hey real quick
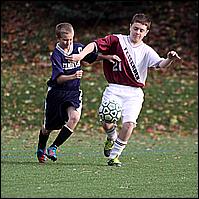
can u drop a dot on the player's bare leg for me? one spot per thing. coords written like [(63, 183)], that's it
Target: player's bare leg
[(110, 129), (120, 143)]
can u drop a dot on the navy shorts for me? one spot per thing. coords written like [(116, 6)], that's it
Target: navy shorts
[(56, 104)]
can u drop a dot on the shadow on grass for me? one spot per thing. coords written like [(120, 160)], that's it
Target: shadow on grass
[(48, 163)]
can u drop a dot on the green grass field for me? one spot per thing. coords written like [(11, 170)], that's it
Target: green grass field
[(161, 158), (165, 168)]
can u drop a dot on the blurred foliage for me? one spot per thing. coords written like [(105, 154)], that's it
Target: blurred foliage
[(170, 105), (27, 27)]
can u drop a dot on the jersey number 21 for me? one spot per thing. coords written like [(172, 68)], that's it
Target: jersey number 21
[(117, 66)]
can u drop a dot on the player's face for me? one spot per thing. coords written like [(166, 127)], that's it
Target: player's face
[(66, 40), (137, 32)]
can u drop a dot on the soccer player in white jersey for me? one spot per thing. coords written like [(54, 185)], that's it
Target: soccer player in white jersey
[(126, 77)]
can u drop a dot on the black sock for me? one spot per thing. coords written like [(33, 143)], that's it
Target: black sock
[(43, 138), (63, 135)]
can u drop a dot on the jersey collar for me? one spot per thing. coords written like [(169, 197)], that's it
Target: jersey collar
[(58, 47), (134, 45)]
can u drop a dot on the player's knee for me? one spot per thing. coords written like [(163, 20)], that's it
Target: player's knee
[(107, 126), (74, 118), (129, 126)]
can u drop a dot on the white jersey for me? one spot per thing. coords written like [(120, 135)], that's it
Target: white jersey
[(136, 59)]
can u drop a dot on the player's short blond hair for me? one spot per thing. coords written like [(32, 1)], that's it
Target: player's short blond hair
[(141, 18), (62, 28)]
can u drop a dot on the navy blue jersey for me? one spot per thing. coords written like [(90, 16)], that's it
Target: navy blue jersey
[(60, 65), (61, 96)]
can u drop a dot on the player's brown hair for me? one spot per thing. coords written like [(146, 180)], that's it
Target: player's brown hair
[(141, 18), (62, 28)]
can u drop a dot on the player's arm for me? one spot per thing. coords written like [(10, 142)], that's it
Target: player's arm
[(111, 58), (171, 56), (63, 78), (58, 73), (77, 57)]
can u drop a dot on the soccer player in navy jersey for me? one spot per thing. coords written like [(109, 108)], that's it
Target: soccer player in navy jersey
[(126, 77), (63, 102)]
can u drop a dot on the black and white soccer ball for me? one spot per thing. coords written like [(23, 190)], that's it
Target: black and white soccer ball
[(110, 111)]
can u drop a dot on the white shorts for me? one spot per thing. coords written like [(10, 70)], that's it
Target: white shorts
[(129, 98)]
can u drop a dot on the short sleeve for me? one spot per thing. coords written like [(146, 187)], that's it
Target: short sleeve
[(153, 58), (91, 57), (104, 44)]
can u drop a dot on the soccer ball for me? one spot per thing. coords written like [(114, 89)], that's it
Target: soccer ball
[(110, 111)]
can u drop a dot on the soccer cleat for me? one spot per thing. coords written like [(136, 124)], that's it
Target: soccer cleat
[(52, 153), (108, 145), (41, 155), (114, 162)]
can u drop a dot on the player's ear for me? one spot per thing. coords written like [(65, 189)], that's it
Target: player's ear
[(130, 27)]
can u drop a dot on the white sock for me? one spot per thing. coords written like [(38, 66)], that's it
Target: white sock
[(112, 134), (117, 149)]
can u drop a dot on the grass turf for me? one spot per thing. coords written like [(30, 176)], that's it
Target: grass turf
[(165, 168)]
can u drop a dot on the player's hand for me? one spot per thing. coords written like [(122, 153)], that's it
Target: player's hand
[(74, 57), (113, 58), (79, 74), (173, 55)]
